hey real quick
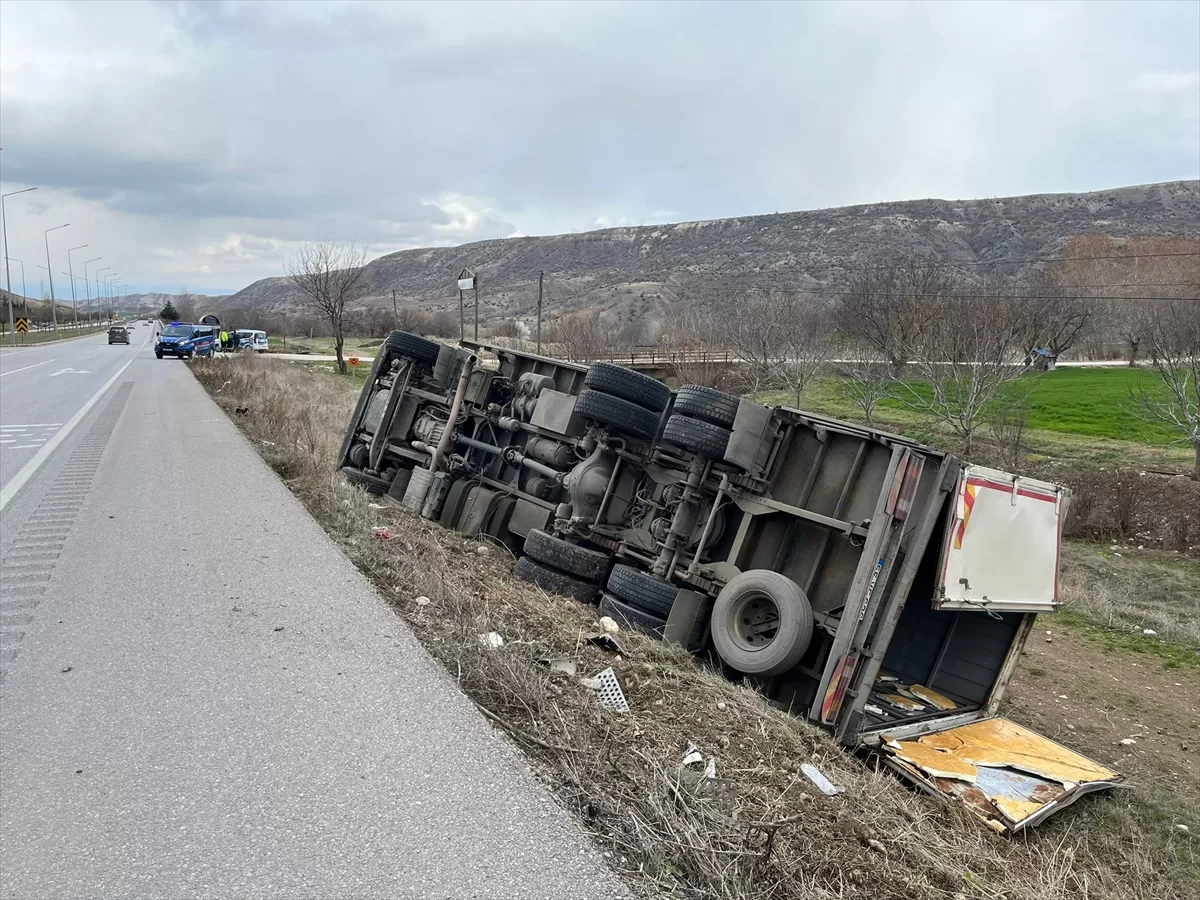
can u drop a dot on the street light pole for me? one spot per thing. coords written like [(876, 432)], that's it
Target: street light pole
[(97, 276), (87, 286), (71, 272), (12, 335), (50, 275)]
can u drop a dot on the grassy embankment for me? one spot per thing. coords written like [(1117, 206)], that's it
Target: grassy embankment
[(775, 837)]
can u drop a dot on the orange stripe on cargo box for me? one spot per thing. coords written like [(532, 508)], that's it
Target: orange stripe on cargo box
[(968, 505)]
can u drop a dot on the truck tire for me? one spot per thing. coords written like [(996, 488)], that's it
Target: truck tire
[(358, 455), (590, 565), (645, 591), (401, 343), (762, 623), (628, 385), (620, 414), (372, 484), (705, 438), (706, 404), (629, 616), (556, 582)]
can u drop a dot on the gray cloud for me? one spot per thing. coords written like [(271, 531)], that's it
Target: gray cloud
[(210, 137)]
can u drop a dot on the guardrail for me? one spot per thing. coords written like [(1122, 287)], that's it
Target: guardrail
[(651, 356)]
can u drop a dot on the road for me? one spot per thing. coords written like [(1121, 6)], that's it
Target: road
[(201, 697), (43, 386)]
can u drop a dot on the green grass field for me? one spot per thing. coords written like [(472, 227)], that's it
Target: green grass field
[(1095, 403)]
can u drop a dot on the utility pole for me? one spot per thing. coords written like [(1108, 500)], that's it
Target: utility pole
[(395, 315), (541, 275), (476, 307)]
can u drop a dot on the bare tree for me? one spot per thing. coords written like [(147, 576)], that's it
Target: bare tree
[(443, 324), (1055, 314), (185, 305), (690, 335), (866, 378), (883, 307), (414, 319), (1172, 330), (582, 335), (782, 338), (327, 275), (968, 353)]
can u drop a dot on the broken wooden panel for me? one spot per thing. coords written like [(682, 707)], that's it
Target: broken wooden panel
[(1004, 773)]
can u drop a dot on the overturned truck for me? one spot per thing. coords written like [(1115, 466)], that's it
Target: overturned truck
[(880, 588)]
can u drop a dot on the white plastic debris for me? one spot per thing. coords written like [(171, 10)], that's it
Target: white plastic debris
[(483, 550), (422, 601), (491, 640), (1125, 742), (609, 625), (824, 785), (721, 705), (1149, 631), (1179, 826), (376, 506)]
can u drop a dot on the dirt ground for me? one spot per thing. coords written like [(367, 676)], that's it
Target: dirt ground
[(1092, 700)]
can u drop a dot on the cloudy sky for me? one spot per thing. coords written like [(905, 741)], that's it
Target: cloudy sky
[(193, 144)]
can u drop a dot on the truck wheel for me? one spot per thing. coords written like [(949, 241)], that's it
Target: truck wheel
[(761, 623), (358, 455), (589, 565), (628, 385), (372, 484), (706, 404), (645, 591), (556, 582), (699, 437), (157, 354), (628, 616), (620, 414), (401, 343)]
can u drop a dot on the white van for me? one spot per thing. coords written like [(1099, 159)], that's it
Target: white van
[(251, 340)]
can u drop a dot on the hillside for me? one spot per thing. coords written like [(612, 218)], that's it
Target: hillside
[(630, 271)]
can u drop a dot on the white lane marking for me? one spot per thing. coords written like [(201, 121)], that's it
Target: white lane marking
[(23, 427), (23, 447), (34, 366), (12, 441), (69, 371), (8, 491)]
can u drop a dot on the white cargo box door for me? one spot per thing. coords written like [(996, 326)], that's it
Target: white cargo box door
[(1001, 551)]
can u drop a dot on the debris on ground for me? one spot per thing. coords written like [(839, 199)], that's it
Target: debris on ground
[(608, 690), (823, 784), (609, 643), (562, 665), (383, 533), (491, 640), (609, 625), (483, 550), (422, 601)]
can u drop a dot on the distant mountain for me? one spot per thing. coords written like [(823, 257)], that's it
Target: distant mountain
[(630, 272), (153, 302)]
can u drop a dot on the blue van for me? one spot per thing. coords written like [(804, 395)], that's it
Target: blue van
[(185, 341)]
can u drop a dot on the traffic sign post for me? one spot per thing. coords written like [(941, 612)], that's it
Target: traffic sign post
[(353, 362), (22, 325)]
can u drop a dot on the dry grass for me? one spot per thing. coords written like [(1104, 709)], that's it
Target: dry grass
[(1130, 589), (778, 838)]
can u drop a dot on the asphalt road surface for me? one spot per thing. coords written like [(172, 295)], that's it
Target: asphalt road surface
[(201, 697)]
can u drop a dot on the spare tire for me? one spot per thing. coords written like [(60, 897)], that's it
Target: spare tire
[(706, 404), (401, 343), (628, 616), (589, 565), (645, 591), (556, 582), (699, 437), (628, 385), (617, 413), (762, 623)]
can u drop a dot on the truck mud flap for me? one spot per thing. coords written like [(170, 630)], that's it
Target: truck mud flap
[(1005, 774)]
